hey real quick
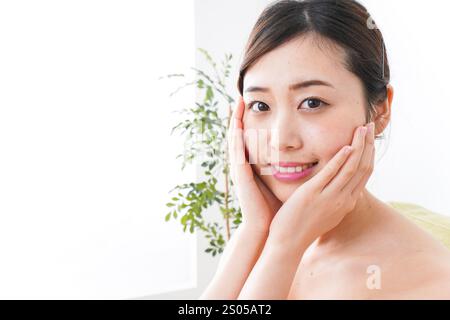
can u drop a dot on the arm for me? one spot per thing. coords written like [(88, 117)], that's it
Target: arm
[(239, 257), (258, 208), (272, 276)]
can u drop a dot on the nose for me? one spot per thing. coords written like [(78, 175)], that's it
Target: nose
[(285, 134)]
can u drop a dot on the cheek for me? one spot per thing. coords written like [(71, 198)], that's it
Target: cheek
[(251, 122), (256, 140), (332, 141)]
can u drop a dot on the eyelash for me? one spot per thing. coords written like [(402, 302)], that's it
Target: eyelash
[(323, 104)]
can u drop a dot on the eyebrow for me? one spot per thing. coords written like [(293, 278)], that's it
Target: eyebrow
[(293, 87)]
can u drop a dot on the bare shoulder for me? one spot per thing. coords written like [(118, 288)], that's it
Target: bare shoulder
[(407, 264), (437, 288), (394, 259), (419, 277)]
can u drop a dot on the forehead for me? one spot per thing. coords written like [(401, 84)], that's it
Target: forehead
[(303, 58)]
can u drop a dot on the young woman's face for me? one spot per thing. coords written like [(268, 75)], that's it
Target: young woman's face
[(308, 124)]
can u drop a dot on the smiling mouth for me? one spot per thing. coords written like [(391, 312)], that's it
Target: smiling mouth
[(292, 173), (292, 167)]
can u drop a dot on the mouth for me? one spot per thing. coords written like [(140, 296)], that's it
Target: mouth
[(292, 171)]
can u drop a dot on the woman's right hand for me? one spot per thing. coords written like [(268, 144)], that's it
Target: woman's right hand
[(258, 204)]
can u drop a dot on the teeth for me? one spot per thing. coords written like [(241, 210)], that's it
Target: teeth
[(281, 169), (292, 169)]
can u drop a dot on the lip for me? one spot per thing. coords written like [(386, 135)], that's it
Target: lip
[(291, 176), (290, 164)]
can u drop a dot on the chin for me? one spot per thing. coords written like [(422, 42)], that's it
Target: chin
[(283, 192)]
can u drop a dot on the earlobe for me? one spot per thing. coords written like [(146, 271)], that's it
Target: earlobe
[(383, 111)]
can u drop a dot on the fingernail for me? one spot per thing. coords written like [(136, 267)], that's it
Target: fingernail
[(363, 130), (371, 128)]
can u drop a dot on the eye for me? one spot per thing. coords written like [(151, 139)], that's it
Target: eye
[(258, 105), (314, 103)]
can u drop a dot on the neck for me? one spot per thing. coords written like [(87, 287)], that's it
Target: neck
[(354, 224)]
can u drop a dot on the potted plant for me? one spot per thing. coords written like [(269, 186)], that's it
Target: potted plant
[(205, 132)]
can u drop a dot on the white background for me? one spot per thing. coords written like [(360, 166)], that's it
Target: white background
[(86, 160)]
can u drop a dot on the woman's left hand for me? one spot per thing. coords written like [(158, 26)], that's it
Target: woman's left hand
[(321, 203)]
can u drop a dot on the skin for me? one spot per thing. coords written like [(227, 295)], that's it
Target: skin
[(334, 249)]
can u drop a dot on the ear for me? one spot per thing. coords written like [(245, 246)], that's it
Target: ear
[(383, 111)]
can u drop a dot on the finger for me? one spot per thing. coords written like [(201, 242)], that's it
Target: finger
[(350, 167), (232, 127), (238, 128), (234, 159), (237, 114), (273, 202), (231, 145), (320, 181), (243, 172), (359, 188), (239, 111), (238, 142), (365, 163), (234, 114)]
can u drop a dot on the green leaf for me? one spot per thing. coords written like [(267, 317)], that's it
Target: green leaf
[(209, 94), (169, 204), (168, 216)]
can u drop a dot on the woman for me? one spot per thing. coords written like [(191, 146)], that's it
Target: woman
[(315, 80)]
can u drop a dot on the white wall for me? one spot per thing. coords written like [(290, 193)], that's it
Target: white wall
[(86, 159), (412, 163), (414, 168)]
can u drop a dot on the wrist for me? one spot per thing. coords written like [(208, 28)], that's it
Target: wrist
[(300, 239), (254, 228)]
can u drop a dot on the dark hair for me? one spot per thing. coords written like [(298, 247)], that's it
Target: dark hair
[(345, 22)]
